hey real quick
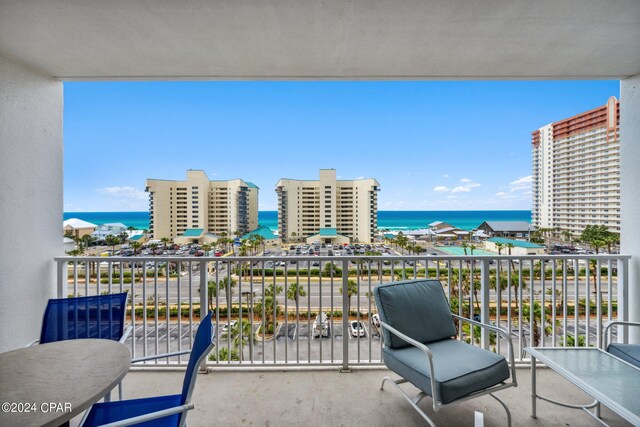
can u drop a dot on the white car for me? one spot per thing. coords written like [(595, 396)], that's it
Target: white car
[(356, 329), (225, 327)]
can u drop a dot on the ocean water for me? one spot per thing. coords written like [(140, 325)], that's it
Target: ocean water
[(391, 220)]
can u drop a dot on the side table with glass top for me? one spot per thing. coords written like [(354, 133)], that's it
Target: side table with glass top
[(609, 380)]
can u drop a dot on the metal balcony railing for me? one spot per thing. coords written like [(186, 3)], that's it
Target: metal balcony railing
[(267, 317)]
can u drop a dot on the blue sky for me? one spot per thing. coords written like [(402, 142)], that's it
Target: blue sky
[(431, 145)]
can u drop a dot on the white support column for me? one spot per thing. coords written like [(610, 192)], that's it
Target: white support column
[(30, 199), (629, 194)]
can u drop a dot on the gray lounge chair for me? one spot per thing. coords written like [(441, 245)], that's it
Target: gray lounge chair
[(627, 352), (418, 330)]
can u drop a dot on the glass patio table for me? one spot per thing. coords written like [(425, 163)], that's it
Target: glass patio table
[(609, 380)]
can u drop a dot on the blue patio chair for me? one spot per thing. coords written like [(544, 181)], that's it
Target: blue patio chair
[(627, 352), (163, 410), (418, 330), (99, 316)]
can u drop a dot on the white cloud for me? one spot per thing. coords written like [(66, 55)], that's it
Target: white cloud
[(461, 189), (503, 195), (464, 180), (360, 177), (445, 176), (124, 198), (441, 189), (124, 192), (521, 184)]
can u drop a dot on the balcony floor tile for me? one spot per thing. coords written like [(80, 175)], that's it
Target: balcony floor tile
[(329, 398)]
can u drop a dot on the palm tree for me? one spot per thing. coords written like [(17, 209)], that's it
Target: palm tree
[(212, 292), (472, 248), (206, 247), (352, 289), (566, 234), (402, 241), (165, 241), (464, 246), (270, 306), (112, 241), (124, 236), (499, 247), (87, 239), (241, 333), (611, 239), (228, 284), (136, 247), (294, 293)]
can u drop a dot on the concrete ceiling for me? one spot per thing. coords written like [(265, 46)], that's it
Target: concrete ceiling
[(330, 39)]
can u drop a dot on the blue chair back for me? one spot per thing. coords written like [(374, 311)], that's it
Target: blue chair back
[(99, 316), (202, 345), (417, 308)]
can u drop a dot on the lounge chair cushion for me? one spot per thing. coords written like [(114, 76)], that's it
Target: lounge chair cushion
[(627, 352), (417, 308), (460, 368)]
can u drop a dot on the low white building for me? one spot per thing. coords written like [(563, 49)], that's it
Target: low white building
[(113, 228)]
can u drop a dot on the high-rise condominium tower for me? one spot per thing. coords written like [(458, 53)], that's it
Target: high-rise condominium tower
[(197, 207), (576, 171), (328, 210)]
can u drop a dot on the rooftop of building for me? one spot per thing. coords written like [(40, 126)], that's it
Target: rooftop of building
[(78, 223), (517, 243), (193, 232), (263, 231), (508, 225)]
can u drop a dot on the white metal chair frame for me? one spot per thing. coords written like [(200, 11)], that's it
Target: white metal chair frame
[(437, 404)]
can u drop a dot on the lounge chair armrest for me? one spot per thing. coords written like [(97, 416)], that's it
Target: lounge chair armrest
[(126, 333), (410, 340), (151, 416), (607, 330), (159, 356), (505, 335), (494, 328)]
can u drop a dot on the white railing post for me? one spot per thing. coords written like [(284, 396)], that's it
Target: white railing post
[(204, 302), (345, 317), (484, 292), (623, 299), (61, 289)]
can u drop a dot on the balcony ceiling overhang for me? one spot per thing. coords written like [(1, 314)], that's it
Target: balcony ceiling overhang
[(332, 39)]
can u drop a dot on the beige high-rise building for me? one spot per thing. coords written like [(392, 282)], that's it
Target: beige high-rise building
[(576, 171), (328, 210), (198, 209)]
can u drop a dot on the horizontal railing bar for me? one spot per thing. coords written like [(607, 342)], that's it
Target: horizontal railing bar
[(341, 257)]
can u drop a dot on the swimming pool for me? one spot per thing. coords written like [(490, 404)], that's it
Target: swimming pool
[(457, 250)]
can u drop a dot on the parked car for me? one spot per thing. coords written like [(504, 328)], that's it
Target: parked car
[(315, 264), (225, 327), (356, 329), (266, 252)]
